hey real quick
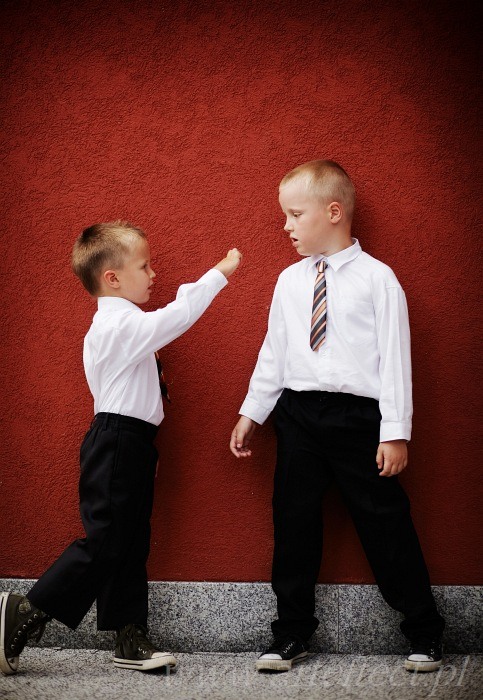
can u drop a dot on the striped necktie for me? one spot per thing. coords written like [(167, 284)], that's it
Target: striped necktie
[(162, 382), (319, 309)]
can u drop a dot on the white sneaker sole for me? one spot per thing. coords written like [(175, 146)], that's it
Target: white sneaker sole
[(422, 666), (167, 660), (8, 664), (279, 664)]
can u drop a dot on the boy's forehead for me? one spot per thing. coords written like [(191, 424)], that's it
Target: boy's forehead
[(136, 245), (295, 191)]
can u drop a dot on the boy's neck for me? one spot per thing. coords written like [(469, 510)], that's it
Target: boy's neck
[(107, 295), (338, 243)]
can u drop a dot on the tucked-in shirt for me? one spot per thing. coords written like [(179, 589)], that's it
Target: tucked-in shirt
[(119, 359), (367, 347)]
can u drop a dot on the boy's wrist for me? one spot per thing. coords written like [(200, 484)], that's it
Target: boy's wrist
[(219, 268)]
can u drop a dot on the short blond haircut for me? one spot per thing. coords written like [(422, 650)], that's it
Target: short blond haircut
[(326, 180), (101, 247)]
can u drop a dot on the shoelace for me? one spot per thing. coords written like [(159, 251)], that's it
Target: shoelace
[(425, 646), (32, 628), (287, 646), (136, 636)]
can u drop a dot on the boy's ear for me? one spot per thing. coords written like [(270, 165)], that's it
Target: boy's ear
[(335, 212), (111, 279)]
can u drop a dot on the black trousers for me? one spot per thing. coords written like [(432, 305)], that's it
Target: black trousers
[(118, 463), (325, 437)]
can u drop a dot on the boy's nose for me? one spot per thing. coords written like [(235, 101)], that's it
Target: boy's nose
[(153, 274), (288, 227)]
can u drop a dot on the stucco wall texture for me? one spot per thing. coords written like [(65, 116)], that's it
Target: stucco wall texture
[(182, 117)]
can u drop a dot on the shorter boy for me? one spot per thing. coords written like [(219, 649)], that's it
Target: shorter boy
[(117, 458), (336, 366)]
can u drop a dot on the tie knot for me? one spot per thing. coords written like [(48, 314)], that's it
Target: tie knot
[(321, 266)]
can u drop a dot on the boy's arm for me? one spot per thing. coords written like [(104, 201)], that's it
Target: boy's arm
[(266, 383), (395, 401), (153, 330)]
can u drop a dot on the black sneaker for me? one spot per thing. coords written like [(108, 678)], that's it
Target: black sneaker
[(424, 655), (282, 654), (136, 652), (19, 621)]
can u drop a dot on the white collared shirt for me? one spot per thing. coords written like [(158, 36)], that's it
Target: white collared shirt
[(119, 347), (367, 347)]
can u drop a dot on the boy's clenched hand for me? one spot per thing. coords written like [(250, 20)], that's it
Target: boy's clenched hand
[(229, 264)]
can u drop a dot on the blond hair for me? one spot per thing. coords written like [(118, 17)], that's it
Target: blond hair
[(326, 180), (100, 247)]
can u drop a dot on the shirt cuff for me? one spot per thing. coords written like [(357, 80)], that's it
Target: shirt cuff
[(215, 277), (251, 409), (392, 430)]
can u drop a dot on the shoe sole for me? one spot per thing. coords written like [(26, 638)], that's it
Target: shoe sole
[(8, 665), (279, 664), (167, 660), (422, 666)]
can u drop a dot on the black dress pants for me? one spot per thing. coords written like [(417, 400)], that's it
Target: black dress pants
[(118, 463), (325, 437)]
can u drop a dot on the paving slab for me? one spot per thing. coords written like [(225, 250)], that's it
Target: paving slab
[(85, 674)]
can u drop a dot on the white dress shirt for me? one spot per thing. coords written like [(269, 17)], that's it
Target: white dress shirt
[(119, 347), (367, 347)]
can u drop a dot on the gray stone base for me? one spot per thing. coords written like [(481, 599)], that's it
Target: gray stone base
[(235, 617)]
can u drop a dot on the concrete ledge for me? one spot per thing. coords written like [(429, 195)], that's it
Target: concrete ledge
[(235, 617)]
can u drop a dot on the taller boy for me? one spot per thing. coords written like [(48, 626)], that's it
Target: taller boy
[(336, 365)]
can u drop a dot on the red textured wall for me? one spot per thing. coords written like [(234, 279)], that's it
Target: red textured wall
[(183, 117)]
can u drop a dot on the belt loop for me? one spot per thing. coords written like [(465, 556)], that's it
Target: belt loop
[(105, 421)]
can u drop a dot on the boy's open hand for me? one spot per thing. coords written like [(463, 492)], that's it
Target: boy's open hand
[(241, 437), (229, 264), (392, 457)]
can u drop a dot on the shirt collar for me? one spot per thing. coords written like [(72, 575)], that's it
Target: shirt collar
[(336, 260), (115, 303)]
